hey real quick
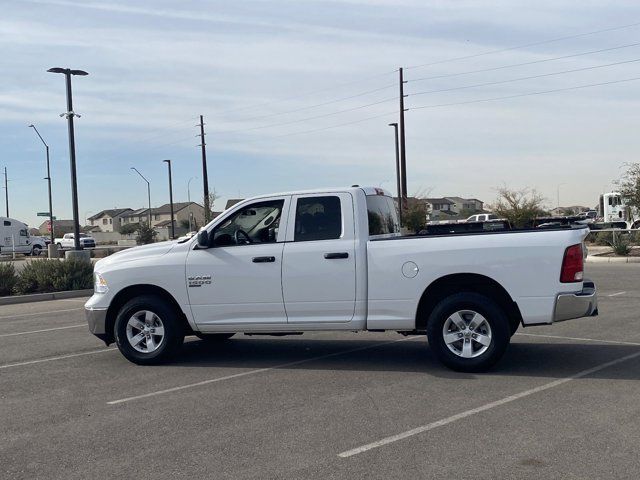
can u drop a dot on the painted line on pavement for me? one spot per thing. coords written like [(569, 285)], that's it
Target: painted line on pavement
[(253, 372), (60, 357), (41, 331), (579, 339), (483, 408), (48, 312), (616, 294)]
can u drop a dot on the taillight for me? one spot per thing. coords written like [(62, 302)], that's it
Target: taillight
[(572, 264)]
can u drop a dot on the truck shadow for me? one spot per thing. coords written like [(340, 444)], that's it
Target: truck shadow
[(523, 359)]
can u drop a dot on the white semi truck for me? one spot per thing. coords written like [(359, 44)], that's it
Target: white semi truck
[(613, 211), (15, 238)]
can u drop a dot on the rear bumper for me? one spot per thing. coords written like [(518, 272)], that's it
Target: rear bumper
[(576, 305)]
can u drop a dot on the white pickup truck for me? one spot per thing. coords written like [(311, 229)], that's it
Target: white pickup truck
[(334, 260), (67, 241)]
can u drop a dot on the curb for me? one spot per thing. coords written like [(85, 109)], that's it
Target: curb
[(598, 259), (42, 297)]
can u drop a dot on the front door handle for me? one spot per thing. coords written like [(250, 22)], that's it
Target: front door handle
[(263, 259), (333, 255)]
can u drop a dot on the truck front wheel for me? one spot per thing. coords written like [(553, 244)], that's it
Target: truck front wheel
[(468, 332), (148, 330)]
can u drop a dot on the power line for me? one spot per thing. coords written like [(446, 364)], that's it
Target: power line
[(525, 78), (577, 87), (448, 75), (336, 126), (306, 94), (526, 45), (221, 132), (329, 102)]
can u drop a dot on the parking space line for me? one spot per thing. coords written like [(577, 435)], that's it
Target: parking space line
[(616, 294), (40, 313), (41, 331), (483, 408), (60, 357), (580, 339), (253, 372)]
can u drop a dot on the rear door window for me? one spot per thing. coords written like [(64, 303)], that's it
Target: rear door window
[(318, 218), (382, 215)]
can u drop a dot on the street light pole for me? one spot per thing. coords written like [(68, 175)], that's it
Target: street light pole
[(189, 199), (48, 179), (173, 232), (148, 192), (72, 149), (398, 180), (6, 190)]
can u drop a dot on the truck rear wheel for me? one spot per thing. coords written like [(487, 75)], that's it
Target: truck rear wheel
[(468, 332), (148, 330)]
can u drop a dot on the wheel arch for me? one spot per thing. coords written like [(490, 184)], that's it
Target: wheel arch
[(133, 291), (459, 282)]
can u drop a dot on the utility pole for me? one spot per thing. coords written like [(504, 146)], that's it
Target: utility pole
[(403, 149), (205, 178), (173, 232), (6, 190), (398, 180)]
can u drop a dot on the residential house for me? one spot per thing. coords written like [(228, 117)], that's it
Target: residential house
[(181, 212), (109, 220), (450, 208), (470, 205), (60, 227), (141, 215)]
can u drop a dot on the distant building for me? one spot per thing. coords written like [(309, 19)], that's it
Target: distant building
[(451, 208), (109, 220), (60, 227)]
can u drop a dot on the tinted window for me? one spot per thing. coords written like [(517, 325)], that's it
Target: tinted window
[(24, 233), (383, 218), (318, 218), (7, 223)]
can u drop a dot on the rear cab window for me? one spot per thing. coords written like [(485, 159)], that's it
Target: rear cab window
[(383, 216), (318, 218)]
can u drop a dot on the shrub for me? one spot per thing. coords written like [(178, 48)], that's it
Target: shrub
[(146, 234), (40, 276), (604, 238), (7, 278), (622, 246)]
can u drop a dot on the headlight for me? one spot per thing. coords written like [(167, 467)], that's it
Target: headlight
[(100, 284)]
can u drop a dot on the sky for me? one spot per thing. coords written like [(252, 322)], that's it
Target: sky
[(298, 94)]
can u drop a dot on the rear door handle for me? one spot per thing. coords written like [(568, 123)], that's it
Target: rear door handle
[(263, 259), (331, 256)]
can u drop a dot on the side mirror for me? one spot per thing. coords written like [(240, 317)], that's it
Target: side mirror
[(203, 239)]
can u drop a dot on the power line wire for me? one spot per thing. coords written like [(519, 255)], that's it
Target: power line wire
[(448, 75), (524, 78), (526, 45), (329, 102), (336, 126), (577, 87), (220, 132), (301, 95)]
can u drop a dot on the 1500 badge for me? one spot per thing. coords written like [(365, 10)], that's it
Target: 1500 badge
[(198, 280)]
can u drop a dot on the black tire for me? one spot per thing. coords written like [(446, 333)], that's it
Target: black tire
[(494, 316), (173, 330), (214, 337), (514, 327), (36, 250)]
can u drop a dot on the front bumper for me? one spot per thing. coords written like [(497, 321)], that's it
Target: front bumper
[(576, 305), (97, 319)]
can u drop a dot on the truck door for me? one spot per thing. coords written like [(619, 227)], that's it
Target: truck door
[(319, 265), (238, 279)]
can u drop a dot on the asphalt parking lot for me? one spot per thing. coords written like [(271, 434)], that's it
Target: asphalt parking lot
[(563, 403)]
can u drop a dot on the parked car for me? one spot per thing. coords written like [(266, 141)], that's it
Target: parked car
[(14, 237), (335, 260), (67, 241)]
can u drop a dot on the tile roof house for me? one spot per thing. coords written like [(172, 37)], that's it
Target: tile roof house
[(108, 220)]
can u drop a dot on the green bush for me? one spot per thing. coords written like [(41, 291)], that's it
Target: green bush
[(604, 238), (40, 276), (622, 246), (146, 234), (7, 278)]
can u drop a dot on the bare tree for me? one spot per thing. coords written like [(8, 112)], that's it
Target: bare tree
[(213, 196), (519, 207)]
